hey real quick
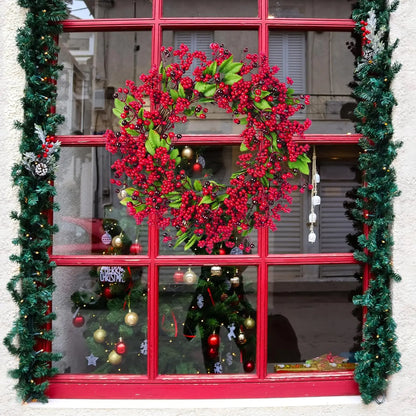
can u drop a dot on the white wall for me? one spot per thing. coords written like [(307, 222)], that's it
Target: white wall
[(401, 398)]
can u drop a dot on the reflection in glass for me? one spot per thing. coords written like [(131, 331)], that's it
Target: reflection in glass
[(238, 42), (338, 9), (213, 8), (320, 65), (109, 9), (101, 324), (219, 163), (311, 317), (207, 319), (91, 219), (336, 166), (95, 65)]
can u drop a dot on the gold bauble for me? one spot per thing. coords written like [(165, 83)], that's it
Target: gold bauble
[(117, 242), (114, 358), (190, 277), (235, 281), (249, 323), (216, 271), (99, 335), (131, 318), (187, 153), (122, 194)]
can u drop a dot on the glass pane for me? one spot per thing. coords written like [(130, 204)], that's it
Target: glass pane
[(95, 65), (336, 167), (101, 324), (214, 8), (312, 323), (335, 9), (91, 219), (109, 9), (219, 162), (207, 319), (321, 66), (237, 41)]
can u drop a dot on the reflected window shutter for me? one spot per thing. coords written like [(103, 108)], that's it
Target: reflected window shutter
[(195, 41), (334, 225), (287, 51)]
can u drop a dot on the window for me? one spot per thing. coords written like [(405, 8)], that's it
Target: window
[(121, 286)]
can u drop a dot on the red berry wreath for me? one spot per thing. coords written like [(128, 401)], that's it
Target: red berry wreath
[(209, 214)]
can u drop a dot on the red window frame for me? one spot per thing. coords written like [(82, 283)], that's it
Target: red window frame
[(257, 385)]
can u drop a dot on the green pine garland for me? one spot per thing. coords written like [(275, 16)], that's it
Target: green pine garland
[(32, 287), (378, 357)]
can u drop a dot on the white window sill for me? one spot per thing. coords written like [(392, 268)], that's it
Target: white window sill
[(199, 404)]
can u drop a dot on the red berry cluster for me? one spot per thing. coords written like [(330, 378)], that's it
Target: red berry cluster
[(149, 163), (364, 33)]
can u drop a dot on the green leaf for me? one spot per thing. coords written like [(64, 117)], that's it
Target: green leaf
[(117, 113), (174, 94), (124, 201), (207, 89), (154, 137), (129, 99), (301, 165), (174, 154), (231, 79), (181, 91), (262, 105), (243, 121), (212, 69), (234, 67), (201, 86), (264, 181), (182, 238), (206, 200), (191, 242), (119, 105), (176, 205), (224, 65), (132, 132), (243, 147), (197, 185), (210, 90), (150, 147)]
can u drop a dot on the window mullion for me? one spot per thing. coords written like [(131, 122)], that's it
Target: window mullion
[(262, 302), (152, 304)]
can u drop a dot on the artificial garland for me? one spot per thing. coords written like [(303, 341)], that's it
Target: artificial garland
[(32, 287), (378, 357), (207, 214)]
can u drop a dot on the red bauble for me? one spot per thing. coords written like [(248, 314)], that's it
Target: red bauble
[(136, 248), (78, 321), (197, 167), (107, 293), (120, 348), (222, 251), (214, 340), (212, 352), (249, 366), (178, 276)]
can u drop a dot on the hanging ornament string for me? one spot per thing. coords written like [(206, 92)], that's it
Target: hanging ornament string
[(315, 199)]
